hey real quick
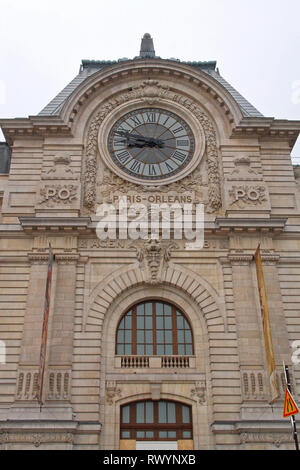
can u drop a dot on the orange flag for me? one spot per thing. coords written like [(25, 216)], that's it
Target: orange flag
[(266, 326)]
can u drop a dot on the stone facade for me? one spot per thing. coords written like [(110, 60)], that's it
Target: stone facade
[(58, 176)]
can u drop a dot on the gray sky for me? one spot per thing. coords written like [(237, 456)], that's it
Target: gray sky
[(256, 44)]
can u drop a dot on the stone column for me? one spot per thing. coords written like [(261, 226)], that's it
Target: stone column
[(248, 328), (33, 323), (62, 325)]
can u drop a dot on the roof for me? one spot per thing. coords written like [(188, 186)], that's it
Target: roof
[(89, 67)]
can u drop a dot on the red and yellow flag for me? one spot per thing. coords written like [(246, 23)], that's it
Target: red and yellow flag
[(266, 326), (40, 381)]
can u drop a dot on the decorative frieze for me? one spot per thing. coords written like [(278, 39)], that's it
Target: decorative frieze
[(36, 438), (266, 438)]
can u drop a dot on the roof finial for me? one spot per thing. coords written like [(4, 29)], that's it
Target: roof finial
[(147, 47)]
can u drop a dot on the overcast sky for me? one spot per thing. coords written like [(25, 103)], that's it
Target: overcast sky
[(256, 44)]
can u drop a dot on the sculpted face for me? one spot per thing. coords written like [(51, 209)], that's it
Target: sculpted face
[(151, 144)]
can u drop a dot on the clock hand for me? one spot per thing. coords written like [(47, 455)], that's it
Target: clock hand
[(148, 141)]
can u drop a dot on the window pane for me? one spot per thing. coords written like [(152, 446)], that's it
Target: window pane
[(160, 337), (188, 337), (168, 323), (180, 336), (128, 322), (148, 308), (149, 434), (140, 408), (168, 336), (149, 412), (140, 310), (140, 434), (162, 412), (179, 321), (189, 349), (167, 310), (127, 336), (140, 336), (140, 349), (121, 336), (162, 434), (149, 337), (171, 413), (120, 349), (172, 434), (159, 323), (149, 349), (128, 349), (181, 349), (160, 350), (126, 434), (148, 323), (140, 323), (159, 308), (185, 414), (186, 434), (125, 414), (122, 323), (169, 349)]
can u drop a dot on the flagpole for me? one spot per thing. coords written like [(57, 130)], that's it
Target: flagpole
[(293, 421), (40, 381)]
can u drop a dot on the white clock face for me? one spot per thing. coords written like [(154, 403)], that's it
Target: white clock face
[(151, 144)]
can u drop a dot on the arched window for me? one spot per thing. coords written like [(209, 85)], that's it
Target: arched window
[(156, 421), (154, 328)]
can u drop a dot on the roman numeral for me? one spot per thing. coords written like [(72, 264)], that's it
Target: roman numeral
[(123, 156), (135, 166), (179, 156), (178, 129), (182, 143), (168, 166), (152, 170), (151, 117), (119, 143), (136, 120)]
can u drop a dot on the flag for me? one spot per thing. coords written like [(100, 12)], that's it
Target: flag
[(266, 326), (40, 381)]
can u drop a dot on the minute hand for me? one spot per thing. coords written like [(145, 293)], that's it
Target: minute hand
[(140, 138)]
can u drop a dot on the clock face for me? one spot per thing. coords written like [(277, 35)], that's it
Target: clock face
[(151, 144)]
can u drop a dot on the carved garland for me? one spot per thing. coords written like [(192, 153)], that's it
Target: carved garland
[(150, 91)]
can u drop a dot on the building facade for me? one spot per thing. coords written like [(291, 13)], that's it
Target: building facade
[(150, 344)]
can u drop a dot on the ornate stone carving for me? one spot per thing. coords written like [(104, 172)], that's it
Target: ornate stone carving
[(270, 438), (51, 195), (153, 91), (153, 255), (199, 391), (36, 438), (247, 195), (60, 170), (243, 171), (112, 391)]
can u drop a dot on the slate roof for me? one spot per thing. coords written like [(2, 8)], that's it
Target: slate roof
[(89, 67)]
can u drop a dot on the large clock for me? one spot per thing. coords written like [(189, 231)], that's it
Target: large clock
[(151, 144)]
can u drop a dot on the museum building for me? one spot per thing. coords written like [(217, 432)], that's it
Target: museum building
[(149, 344)]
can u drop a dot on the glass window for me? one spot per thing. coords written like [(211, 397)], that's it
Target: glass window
[(154, 328), (156, 420)]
